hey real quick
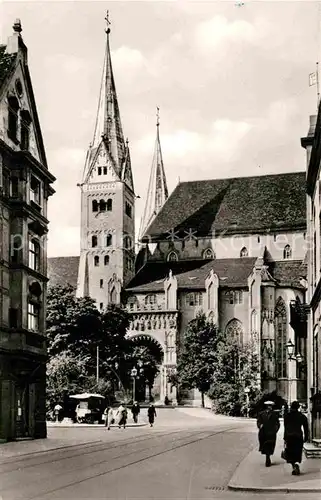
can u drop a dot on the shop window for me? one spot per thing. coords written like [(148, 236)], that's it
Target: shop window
[(172, 256), (208, 254), (244, 252)]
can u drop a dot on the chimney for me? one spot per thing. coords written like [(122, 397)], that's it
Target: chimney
[(13, 40)]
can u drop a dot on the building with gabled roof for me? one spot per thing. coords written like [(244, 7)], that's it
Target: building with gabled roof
[(233, 248), (24, 192)]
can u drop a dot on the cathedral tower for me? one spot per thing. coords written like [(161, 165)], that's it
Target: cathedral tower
[(107, 202), (157, 192)]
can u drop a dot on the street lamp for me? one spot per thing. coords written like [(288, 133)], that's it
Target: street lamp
[(292, 357), (247, 391), (133, 374)]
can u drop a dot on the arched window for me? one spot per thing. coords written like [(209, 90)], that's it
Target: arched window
[(208, 254), (24, 129), (94, 241), (281, 338), (172, 256), (210, 296), (234, 329), (109, 240), (106, 260), (113, 296), (96, 260), (287, 252), (244, 252), (95, 205), (13, 107), (102, 206), (150, 299), (254, 322), (109, 205)]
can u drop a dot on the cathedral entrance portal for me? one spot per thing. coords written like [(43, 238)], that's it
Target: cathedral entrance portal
[(152, 381)]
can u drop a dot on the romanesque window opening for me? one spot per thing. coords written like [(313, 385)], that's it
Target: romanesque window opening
[(150, 299), (234, 330), (172, 256), (194, 299), (33, 317), (96, 260), (109, 240), (106, 260), (25, 130), (109, 205), (287, 252), (244, 252), (101, 283), (94, 241), (13, 107), (102, 206), (95, 206), (34, 254), (208, 254), (99, 170), (281, 338), (105, 170)]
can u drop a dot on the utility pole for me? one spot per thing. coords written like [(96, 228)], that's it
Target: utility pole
[(97, 365)]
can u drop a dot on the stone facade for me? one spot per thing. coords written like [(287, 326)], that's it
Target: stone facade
[(313, 287), (25, 188)]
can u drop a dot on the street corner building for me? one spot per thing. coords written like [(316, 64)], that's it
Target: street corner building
[(312, 144), (232, 248), (25, 188)]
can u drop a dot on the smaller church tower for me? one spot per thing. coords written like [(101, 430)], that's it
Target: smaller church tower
[(107, 202), (157, 192)]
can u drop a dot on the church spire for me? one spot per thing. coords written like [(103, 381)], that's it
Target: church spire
[(108, 129), (157, 192)]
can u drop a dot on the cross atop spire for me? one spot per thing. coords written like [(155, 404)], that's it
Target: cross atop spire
[(108, 23), (157, 192), (108, 133)]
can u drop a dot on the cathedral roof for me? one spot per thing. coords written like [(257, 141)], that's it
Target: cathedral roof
[(236, 205), (191, 274), (287, 273), (6, 63), (63, 271)]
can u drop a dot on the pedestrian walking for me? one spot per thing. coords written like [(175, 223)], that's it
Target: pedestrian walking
[(151, 414), (294, 421), (122, 416), (268, 424), (109, 417), (135, 411)]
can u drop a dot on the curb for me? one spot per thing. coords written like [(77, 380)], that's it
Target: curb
[(91, 426), (272, 489)]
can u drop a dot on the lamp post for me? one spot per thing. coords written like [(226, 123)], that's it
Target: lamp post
[(247, 391), (292, 357), (133, 374)]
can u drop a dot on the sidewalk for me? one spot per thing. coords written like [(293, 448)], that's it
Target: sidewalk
[(91, 426), (252, 475)]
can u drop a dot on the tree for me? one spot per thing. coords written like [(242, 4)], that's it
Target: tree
[(236, 368), (197, 360)]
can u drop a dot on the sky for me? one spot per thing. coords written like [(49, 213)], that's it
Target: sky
[(232, 84)]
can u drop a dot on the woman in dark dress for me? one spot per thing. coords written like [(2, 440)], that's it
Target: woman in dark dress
[(268, 424), (294, 421), (151, 414)]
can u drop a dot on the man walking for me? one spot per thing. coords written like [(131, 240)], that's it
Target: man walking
[(135, 411), (294, 421), (151, 414), (109, 417), (268, 424)]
